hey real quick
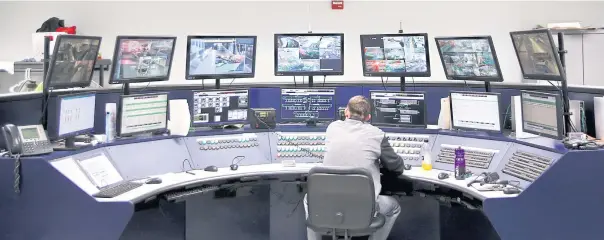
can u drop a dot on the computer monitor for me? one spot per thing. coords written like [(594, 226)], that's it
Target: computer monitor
[(395, 55), (218, 57), (142, 59), (469, 58), (71, 115), (312, 104), (542, 114), (309, 54), (214, 108), (399, 109), (475, 111), (537, 55), (72, 61), (142, 113)]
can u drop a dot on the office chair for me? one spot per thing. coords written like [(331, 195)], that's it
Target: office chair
[(341, 202)]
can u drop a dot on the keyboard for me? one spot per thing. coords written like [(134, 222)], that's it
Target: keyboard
[(116, 190)]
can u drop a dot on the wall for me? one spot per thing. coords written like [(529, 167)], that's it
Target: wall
[(109, 19)]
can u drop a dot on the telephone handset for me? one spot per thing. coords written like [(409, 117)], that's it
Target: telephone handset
[(26, 140)]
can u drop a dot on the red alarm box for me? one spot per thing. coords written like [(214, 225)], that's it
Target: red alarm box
[(337, 4)]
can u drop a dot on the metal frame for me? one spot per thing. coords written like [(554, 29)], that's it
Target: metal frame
[(115, 60), (189, 76), (319, 73), (428, 72), (402, 124), (498, 78)]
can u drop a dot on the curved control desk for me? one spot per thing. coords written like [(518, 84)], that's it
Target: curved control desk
[(560, 201)]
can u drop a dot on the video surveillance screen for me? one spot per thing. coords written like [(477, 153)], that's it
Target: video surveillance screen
[(469, 58), (537, 55), (72, 62), (142, 59), (309, 54), (220, 57), (395, 55)]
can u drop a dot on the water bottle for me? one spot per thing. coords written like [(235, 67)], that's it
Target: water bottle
[(427, 159), (460, 164)]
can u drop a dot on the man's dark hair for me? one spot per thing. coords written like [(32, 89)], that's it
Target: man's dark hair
[(359, 107)]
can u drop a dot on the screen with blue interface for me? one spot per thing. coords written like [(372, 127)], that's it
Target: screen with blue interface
[(220, 57), (308, 104), (220, 107), (398, 108)]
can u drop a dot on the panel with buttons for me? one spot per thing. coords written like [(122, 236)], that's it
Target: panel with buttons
[(302, 147), (475, 157), (409, 146), (213, 143), (526, 166)]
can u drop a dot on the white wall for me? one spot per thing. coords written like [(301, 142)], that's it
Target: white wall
[(109, 19)]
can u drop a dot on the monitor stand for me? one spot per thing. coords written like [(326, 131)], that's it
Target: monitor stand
[(69, 145), (311, 123)]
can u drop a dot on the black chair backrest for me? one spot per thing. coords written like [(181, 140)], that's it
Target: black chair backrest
[(340, 198)]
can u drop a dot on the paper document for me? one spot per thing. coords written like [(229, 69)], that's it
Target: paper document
[(69, 168), (100, 170), (180, 117), (444, 118)]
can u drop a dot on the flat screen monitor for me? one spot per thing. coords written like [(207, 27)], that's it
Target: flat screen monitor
[(142, 113), (72, 61), (399, 109), (537, 55), (395, 55), (142, 59), (475, 111), (309, 54), (213, 108), (542, 114), (217, 57), (71, 115), (469, 58), (312, 104)]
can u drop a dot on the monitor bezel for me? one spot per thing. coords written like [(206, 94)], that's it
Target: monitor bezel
[(53, 125), (307, 73), (189, 76), (309, 119), (400, 125), (191, 108), (53, 61), (559, 115), (428, 72), (120, 112), (560, 77), (498, 78), (114, 61), (477, 129)]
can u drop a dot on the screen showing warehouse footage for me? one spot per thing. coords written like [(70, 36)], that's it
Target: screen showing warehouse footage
[(220, 56), (73, 61), (535, 51), (398, 108), (141, 60), (469, 58), (391, 55), (309, 54)]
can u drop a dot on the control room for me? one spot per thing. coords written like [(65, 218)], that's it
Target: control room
[(306, 120)]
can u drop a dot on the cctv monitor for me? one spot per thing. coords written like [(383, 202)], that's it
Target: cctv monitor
[(72, 61), (142, 113), (398, 109), (475, 111), (542, 114), (469, 58), (395, 55), (309, 54), (304, 105), (71, 115), (218, 57), (215, 108), (537, 55), (142, 59)]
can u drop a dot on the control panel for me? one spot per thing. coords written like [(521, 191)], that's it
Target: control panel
[(214, 143), (475, 157), (301, 147), (409, 146), (224, 150), (524, 164)]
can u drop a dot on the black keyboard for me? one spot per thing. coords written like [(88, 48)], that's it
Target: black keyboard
[(119, 189)]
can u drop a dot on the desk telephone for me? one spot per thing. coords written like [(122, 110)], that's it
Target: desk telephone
[(26, 140)]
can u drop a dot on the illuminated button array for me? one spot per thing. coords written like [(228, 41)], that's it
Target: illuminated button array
[(408, 146), (300, 145), (228, 142)]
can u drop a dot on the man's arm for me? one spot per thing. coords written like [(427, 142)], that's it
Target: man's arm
[(389, 159)]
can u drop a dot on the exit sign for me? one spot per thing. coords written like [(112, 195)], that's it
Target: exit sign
[(337, 4)]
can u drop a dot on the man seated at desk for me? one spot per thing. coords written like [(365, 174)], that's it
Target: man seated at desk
[(356, 143)]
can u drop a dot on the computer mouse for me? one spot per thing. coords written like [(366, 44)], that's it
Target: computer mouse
[(407, 167), (511, 191), (443, 175), (211, 168), (234, 167), (153, 181)]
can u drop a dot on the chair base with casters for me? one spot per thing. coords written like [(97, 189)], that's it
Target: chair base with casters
[(377, 222)]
